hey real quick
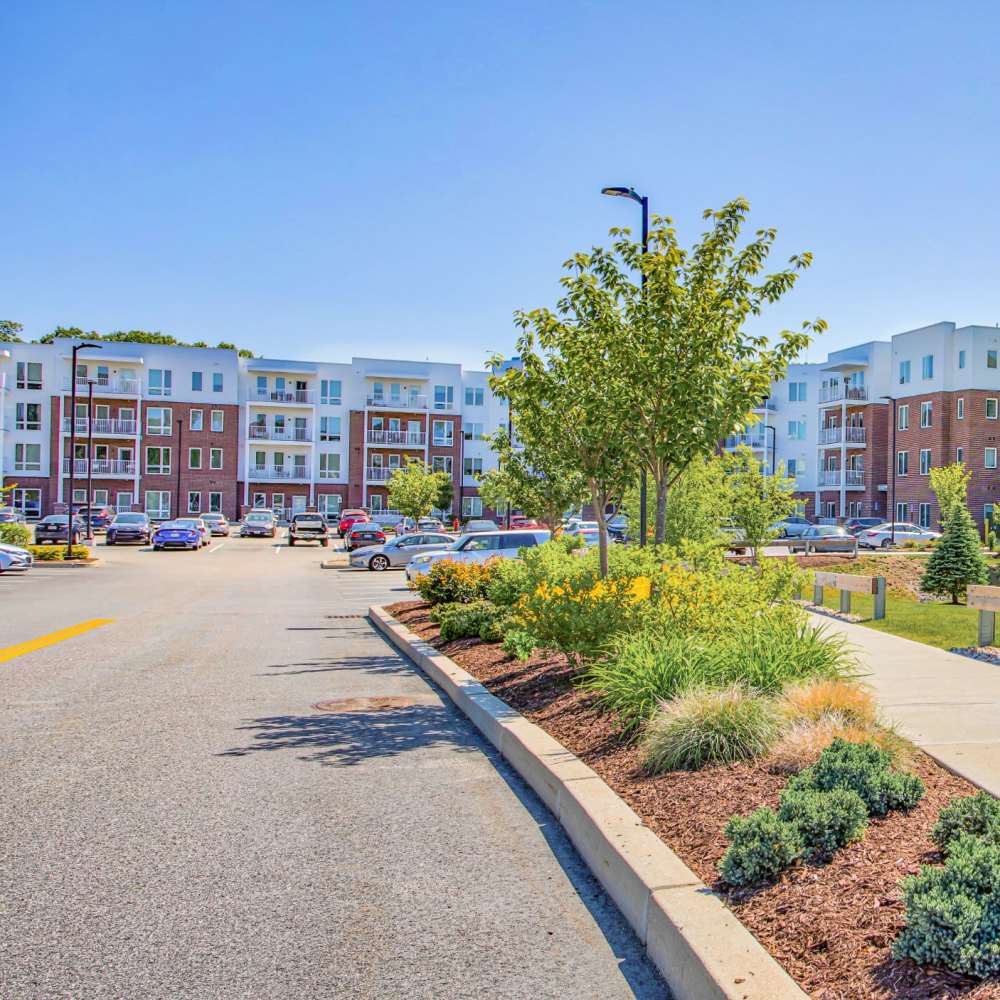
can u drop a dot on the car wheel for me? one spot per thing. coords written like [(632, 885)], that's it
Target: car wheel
[(157, 548), (886, 542), (324, 542), (108, 541), (783, 533), (378, 563), (291, 541)]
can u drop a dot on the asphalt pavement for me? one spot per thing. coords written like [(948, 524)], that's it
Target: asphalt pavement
[(178, 819)]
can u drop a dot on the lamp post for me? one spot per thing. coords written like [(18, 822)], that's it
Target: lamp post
[(643, 202), (892, 520), (72, 445), (180, 431), (90, 458)]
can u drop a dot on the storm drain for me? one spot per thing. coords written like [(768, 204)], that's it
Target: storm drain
[(344, 617), (380, 703)]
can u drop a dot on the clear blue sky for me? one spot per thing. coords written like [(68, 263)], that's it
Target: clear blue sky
[(322, 179)]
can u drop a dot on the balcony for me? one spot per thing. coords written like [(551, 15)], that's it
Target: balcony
[(855, 477), (260, 432), (279, 473), (282, 397), (103, 426), (105, 386), (750, 440), (401, 439), (107, 468), (384, 402), (856, 435), (379, 473), (835, 393), (830, 435)]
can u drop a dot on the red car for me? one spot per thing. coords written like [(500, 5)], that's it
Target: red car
[(525, 522), (349, 517), (364, 533)]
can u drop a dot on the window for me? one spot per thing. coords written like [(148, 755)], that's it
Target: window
[(194, 502), (473, 467), (159, 421), (196, 421), (158, 504), (990, 458), (473, 432), (160, 381), (329, 428), (329, 504), (924, 517), (260, 500), (991, 409), (218, 421), (903, 421), (854, 508), (27, 457), (796, 430), (329, 465), (960, 408), (29, 375), (472, 507), (79, 496), (925, 461), (444, 397), (927, 367), (961, 359), (442, 433), (904, 372), (796, 392), (376, 502), (100, 498), (793, 467), (215, 503), (960, 454), (902, 463), (473, 397), (926, 414), (991, 359), (329, 392), (29, 417), (196, 378), (901, 512), (194, 458), (441, 463), (215, 458), (157, 461)]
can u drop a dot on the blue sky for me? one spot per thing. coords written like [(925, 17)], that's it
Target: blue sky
[(317, 180)]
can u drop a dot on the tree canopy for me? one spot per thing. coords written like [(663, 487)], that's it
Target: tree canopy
[(134, 337), (414, 489), (10, 331)]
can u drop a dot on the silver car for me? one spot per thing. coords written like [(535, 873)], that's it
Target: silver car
[(479, 547), (397, 552), (14, 559)]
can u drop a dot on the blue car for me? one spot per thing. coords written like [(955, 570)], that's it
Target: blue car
[(178, 535)]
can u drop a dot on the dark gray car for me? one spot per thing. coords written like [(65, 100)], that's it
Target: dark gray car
[(825, 538)]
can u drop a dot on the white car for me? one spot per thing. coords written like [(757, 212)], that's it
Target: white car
[(578, 527), (881, 536), (14, 559), (479, 547)]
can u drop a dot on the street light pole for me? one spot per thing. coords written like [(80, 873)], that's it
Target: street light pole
[(180, 449), (643, 201), (90, 458), (72, 445), (892, 520)]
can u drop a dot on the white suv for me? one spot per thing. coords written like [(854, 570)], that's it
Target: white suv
[(479, 547)]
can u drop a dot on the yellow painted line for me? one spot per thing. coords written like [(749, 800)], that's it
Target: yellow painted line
[(52, 638)]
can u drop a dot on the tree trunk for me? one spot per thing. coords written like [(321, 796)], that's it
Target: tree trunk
[(661, 511), (599, 500)]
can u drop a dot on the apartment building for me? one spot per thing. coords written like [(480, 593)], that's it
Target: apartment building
[(185, 430)]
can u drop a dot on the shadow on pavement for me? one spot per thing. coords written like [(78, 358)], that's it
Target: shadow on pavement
[(375, 665)]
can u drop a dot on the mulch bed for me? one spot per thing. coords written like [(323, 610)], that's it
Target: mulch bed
[(830, 925)]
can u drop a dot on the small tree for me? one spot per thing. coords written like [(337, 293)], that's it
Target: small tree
[(756, 501), (446, 496), (414, 489), (698, 502), (957, 560), (950, 484)]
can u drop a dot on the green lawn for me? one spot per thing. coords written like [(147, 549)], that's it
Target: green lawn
[(941, 625)]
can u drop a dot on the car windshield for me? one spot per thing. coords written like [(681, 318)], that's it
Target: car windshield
[(56, 519), (186, 522), (130, 518), (176, 525), (211, 517), (313, 518), (262, 518)]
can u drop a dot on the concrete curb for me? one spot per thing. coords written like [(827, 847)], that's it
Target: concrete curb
[(334, 563), (62, 564), (699, 946)]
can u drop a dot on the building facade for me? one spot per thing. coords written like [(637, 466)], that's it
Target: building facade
[(174, 430)]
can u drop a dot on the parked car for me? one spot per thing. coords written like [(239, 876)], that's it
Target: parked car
[(14, 559), (479, 524), (217, 524), (394, 522), (525, 524), (479, 547), (398, 551), (792, 526), (577, 526), (855, 525), (429, 524), (362, 534), (100, 517), (11, 515), (309, 526), (54, 528), (206, 534), (590, 536), (129, 527), (181, 534), (880, 537), (825, 538), (348, 517), (259, 523)]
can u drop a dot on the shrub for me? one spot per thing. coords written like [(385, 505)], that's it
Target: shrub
[(865, 769), (976, 814), (953, 913), (56, 553), (16, 534), (451, 582), (460, 621), (958, 560), (801, 744), (709, 726), (761, 847), (517, 642), (508, 583), (825, 820), (816, 699)]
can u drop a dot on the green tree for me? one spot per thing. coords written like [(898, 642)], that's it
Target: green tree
[(957, 559), (414, 489), (756, 501), (699, 502), (10, 331), (950, 484), (132, 337), (446, 497)]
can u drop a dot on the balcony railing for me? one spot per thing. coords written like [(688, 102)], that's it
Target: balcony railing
[(443, 442), (750, 440), (260, 432), (100, 467), (829, 477), (855, 477), (855, 435), (384, 402), (307, 396), (404, 439), (379, 474), (830, 435), (104, 385), (102, 425), (833, 393), (279, 472)]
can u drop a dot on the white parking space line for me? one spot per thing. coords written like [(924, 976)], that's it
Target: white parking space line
[(277, 549), (215, 548)]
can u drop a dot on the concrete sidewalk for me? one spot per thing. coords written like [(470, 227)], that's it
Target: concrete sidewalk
[(949, 705)]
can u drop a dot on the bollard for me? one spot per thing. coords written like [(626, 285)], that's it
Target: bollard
[(987, 628), (878, 599), (845, 602), (817, 594)]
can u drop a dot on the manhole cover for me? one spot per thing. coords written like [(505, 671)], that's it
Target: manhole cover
[(382, 703)]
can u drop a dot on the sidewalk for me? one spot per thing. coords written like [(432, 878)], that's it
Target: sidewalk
[(949, 705)]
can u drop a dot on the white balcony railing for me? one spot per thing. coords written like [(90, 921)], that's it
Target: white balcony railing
[(383, 402), (830, 435), (443, 442), (104, 385), (855, 477), (750, 440), (122, 508), (273, 473), (829, 477), (379, 474), (102, 425), (307, 396), (260, 432), (403, 439), (101, 467), (852, 393), (855, 435)]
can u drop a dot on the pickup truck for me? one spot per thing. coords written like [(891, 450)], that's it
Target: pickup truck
[(308, 527)]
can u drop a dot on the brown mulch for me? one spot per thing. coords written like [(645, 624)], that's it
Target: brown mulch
[(830, 925)]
